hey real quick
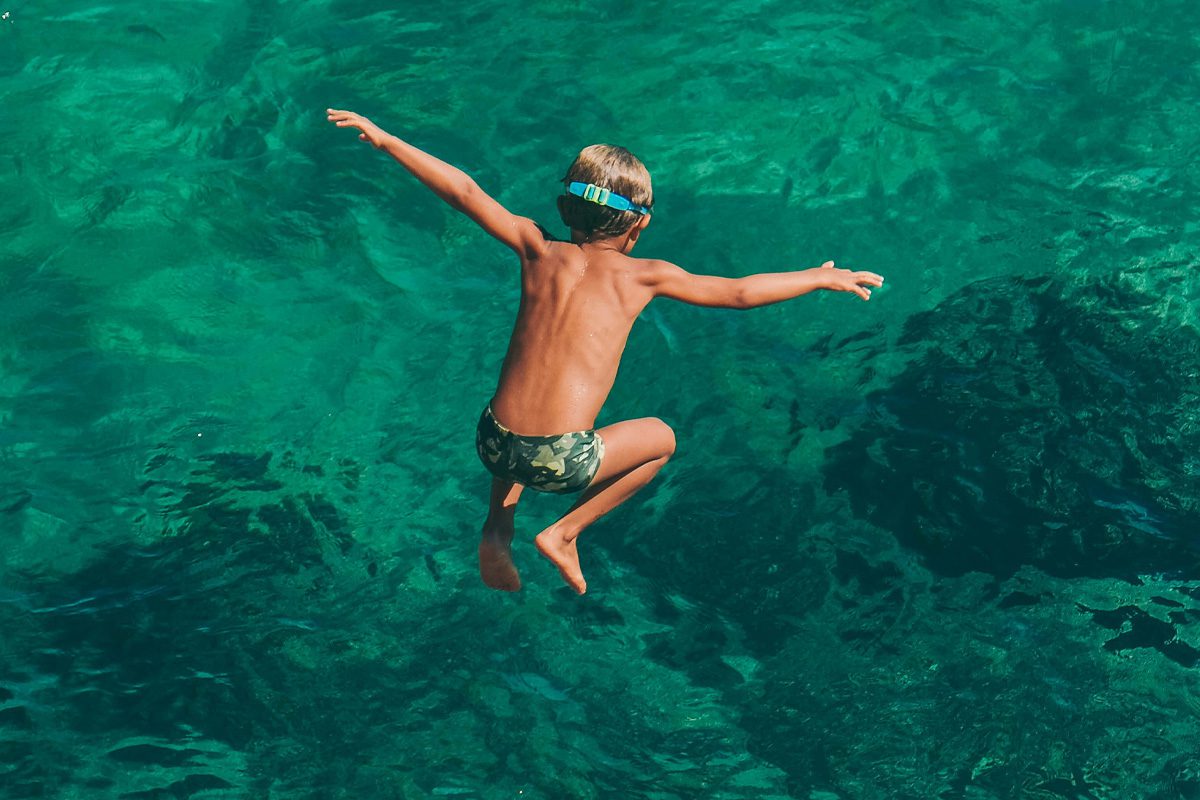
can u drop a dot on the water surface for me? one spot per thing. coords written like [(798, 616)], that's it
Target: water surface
[(944, 544)]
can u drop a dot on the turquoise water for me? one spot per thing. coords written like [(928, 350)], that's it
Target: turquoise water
[(942, 545)]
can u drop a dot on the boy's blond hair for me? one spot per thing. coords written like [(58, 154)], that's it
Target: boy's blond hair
[(613, 168)]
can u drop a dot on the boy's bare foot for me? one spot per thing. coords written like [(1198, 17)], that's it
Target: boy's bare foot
[(496, 566), (565, 556)]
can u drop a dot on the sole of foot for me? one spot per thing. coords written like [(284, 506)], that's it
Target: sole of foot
[(565, 556)]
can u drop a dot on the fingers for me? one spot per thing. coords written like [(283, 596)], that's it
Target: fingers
[(340, 117), (856, 282), (859, 282)]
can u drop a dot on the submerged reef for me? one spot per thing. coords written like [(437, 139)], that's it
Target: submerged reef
[(1050, 423)]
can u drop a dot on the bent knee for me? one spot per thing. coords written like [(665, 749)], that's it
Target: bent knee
[(667, 438)]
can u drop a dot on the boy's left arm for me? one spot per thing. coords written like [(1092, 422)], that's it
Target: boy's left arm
[(451, 184), (764, 288)]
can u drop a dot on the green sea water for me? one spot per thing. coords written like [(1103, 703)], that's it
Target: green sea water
[(945, 544)]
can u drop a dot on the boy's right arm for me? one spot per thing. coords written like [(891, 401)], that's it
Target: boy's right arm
[(752, 291), (451, 184)]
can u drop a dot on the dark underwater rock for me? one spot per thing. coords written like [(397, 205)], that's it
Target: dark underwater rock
[(1138, 629), (1044, 422)]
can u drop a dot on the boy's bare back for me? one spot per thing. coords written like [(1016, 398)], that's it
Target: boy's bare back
[(578, 304)]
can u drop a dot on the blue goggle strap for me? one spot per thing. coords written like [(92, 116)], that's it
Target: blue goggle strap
[(600, 196)]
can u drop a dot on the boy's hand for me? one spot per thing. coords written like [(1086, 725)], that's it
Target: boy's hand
[(843, 280), (348, 119)]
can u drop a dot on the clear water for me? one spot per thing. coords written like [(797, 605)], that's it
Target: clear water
[(945, 544)]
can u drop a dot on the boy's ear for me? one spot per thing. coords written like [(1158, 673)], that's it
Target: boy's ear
[(638, 227), (636, 231)]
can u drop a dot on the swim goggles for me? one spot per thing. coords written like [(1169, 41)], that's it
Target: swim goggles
[(594, 194)]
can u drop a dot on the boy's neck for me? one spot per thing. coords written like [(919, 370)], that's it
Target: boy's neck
[(619, 244)]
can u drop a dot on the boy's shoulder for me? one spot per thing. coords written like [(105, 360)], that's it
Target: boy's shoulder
[(547, 235)]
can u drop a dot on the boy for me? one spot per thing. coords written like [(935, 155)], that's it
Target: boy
[(579, 300)]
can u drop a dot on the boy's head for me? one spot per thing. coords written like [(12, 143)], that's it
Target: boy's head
[(620, 172)]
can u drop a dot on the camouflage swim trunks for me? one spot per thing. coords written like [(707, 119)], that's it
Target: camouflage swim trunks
[(562, 464)]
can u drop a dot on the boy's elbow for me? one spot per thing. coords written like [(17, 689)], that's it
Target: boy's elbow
[(460, 196), (461, 193), (740, 298)]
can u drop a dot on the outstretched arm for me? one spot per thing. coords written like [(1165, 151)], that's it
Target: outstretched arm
[(451, 184), (668, 280)]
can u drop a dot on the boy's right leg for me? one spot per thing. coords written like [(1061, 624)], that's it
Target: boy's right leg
[(495, 547), (634, 452)]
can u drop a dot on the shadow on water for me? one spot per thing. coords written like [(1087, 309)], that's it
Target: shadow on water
[(1039, 422)]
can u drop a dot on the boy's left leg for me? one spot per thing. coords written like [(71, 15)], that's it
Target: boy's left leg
[(634, 452), (495, 547)]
